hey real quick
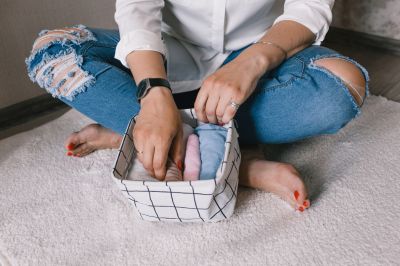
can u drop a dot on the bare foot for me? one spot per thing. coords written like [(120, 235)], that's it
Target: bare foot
[(281, 179), (90, 138)]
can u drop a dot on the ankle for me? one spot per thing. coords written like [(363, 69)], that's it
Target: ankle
[(253, 153), (116, 140)]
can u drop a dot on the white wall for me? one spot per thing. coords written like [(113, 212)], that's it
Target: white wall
[(21, 20)]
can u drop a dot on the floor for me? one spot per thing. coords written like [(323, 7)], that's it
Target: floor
[(58, 210)]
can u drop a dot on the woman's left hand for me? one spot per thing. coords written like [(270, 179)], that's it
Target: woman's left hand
[(233, 82)]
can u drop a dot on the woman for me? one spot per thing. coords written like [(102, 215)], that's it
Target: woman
[(247, 60)]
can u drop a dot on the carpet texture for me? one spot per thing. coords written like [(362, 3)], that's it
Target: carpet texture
[(57, 210)]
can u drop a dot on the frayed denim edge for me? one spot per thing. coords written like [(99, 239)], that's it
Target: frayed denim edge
[(82, 88), (48, 57), (338, 80), (62, 41)]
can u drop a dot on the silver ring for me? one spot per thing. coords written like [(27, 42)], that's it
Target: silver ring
[(234, 105), (139, 152), (134, 148)]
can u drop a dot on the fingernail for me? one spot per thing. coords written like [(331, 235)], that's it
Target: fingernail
[(221, 124), (70, 146), (301, 208), (296, 194), (69, 153), (305, 203), (179, 165)]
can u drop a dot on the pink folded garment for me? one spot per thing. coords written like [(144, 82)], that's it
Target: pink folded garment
[(187, 131), (192, 159)]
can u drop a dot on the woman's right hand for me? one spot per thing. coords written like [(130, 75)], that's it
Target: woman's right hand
[(158, 132)]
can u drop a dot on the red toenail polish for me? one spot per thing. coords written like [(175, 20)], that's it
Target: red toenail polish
[(301, 208), (69, 153), (305, 203), (296, 194), (70, 146)]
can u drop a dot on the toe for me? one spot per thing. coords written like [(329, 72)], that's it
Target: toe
[(86, 151), (72, 141), (301, 200), (80, 150), (299, 196), (306, 204)]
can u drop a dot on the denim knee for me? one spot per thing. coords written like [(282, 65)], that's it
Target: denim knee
[(298, 100), (55, 63), (344, 97), (336, 106)]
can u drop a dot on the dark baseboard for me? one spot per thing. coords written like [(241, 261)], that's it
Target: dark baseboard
[(28, 110), (357, 39)]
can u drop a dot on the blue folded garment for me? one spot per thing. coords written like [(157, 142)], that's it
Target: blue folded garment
[(212, 148)]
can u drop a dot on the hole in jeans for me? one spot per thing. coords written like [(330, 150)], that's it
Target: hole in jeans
[(60, 74), (72, 34), (349, 73)]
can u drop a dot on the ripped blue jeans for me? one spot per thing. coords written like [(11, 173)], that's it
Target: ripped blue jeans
[(296, 100)]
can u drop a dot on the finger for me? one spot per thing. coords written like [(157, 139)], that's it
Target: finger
[(229, 114), (222, 105), (138, 145), (160, 159), (173, 173), (211, 108), (148, 155), (200, 105), (177, 150)]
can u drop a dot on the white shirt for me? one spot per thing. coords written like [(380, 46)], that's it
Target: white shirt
[(196, 36)]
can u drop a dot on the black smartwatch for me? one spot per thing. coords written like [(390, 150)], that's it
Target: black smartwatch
[(146, 84)]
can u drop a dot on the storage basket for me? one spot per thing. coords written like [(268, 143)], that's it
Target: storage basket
[(182, 201)]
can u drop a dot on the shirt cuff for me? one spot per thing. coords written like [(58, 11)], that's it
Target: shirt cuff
[(317, 24), (138, 40)]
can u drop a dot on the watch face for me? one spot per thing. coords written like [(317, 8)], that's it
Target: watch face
[(142, 88), (146, 84)]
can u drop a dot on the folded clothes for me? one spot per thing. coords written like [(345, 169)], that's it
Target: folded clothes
[(187, 131), (204, 151), (173, 173), (138, 172), (212, 148), (192, 159)]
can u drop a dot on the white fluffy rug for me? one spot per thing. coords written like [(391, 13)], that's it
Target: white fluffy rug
[(56, 210)]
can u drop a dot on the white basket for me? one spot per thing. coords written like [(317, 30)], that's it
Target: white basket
[(182, 201)]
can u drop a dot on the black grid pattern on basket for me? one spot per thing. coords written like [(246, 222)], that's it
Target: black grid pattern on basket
[(170, 203), (126, 153), (184, 205)]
